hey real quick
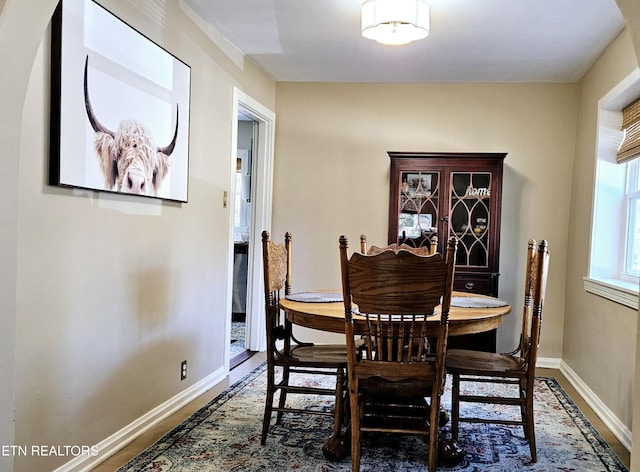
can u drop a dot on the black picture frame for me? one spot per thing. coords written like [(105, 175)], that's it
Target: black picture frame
[(120, 107)]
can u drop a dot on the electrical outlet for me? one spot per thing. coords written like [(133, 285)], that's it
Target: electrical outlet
[(183, 370)]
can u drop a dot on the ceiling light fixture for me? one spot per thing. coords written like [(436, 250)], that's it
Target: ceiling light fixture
[(395, 21)]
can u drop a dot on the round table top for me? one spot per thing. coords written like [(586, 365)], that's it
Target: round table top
[(463, 320)]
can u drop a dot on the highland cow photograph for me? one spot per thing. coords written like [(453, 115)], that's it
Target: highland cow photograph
[(120, 107)]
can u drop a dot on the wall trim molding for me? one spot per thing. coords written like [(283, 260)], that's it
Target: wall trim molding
[(620, 292), (549, 362), (612, 422), (227, 47), (118, 440)]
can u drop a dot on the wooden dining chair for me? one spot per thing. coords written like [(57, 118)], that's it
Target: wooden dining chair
[(393, 371), (517, 367), (290, 355)]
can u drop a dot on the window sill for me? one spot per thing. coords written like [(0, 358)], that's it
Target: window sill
[(625, 293)]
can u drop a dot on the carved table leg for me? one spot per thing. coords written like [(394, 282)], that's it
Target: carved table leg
[(337, 447), (450, 454)]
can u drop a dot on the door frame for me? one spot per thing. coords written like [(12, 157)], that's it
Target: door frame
[(261, 199)]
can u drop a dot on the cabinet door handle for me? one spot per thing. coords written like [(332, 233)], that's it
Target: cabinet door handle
[(444, 218), (469, 285)]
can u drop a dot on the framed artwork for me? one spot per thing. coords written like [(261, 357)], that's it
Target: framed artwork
[(416, 184), (408, 225), (119, 107)]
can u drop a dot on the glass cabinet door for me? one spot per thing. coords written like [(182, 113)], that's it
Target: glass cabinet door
[(418, 207), (470, 213)]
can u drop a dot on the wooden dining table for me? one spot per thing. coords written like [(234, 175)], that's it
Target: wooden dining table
[(325, 312), (470, 313)]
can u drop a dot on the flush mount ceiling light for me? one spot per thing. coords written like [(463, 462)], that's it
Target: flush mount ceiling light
[(395, 21)]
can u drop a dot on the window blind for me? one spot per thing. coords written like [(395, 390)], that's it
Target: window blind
[(630, 147)]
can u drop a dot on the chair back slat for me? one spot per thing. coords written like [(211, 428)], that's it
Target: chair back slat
[(287, 280), (276, 259), (396, 290), (525, 334), (420, 250), (539, 291), (396, 283), (275, 263)]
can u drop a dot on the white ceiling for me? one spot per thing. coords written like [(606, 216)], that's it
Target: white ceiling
[(469, 40)]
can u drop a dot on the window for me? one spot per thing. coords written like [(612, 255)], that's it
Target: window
[(242, 203), (632, 246), (614, 263), (246, 143)]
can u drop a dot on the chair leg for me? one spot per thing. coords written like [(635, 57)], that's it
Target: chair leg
[(530, 424), (356, 411), (268, 405), (336, 449), (434, 426), (455, 406), (283, 392), (346, 403), (523, 404), (339, 403)]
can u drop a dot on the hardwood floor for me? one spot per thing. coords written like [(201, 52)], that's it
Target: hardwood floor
[(151, 436)]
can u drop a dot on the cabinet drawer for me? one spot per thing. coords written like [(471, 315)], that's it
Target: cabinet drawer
[(485, 285)]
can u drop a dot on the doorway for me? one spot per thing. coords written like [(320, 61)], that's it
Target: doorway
[(250, 208), (247, 134)]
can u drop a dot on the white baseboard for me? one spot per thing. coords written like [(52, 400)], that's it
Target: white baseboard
[(612, 422), (120, 439), (548, 363)]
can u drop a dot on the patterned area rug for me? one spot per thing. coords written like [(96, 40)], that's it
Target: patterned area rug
[(237, 338), (225, 436)]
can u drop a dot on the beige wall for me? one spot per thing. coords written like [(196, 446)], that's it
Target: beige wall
[(332, 171), (599, 335), (109, 294), (17, 25), (631, 12)]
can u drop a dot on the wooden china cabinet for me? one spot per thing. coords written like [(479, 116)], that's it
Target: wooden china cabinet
[(452, 194)]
